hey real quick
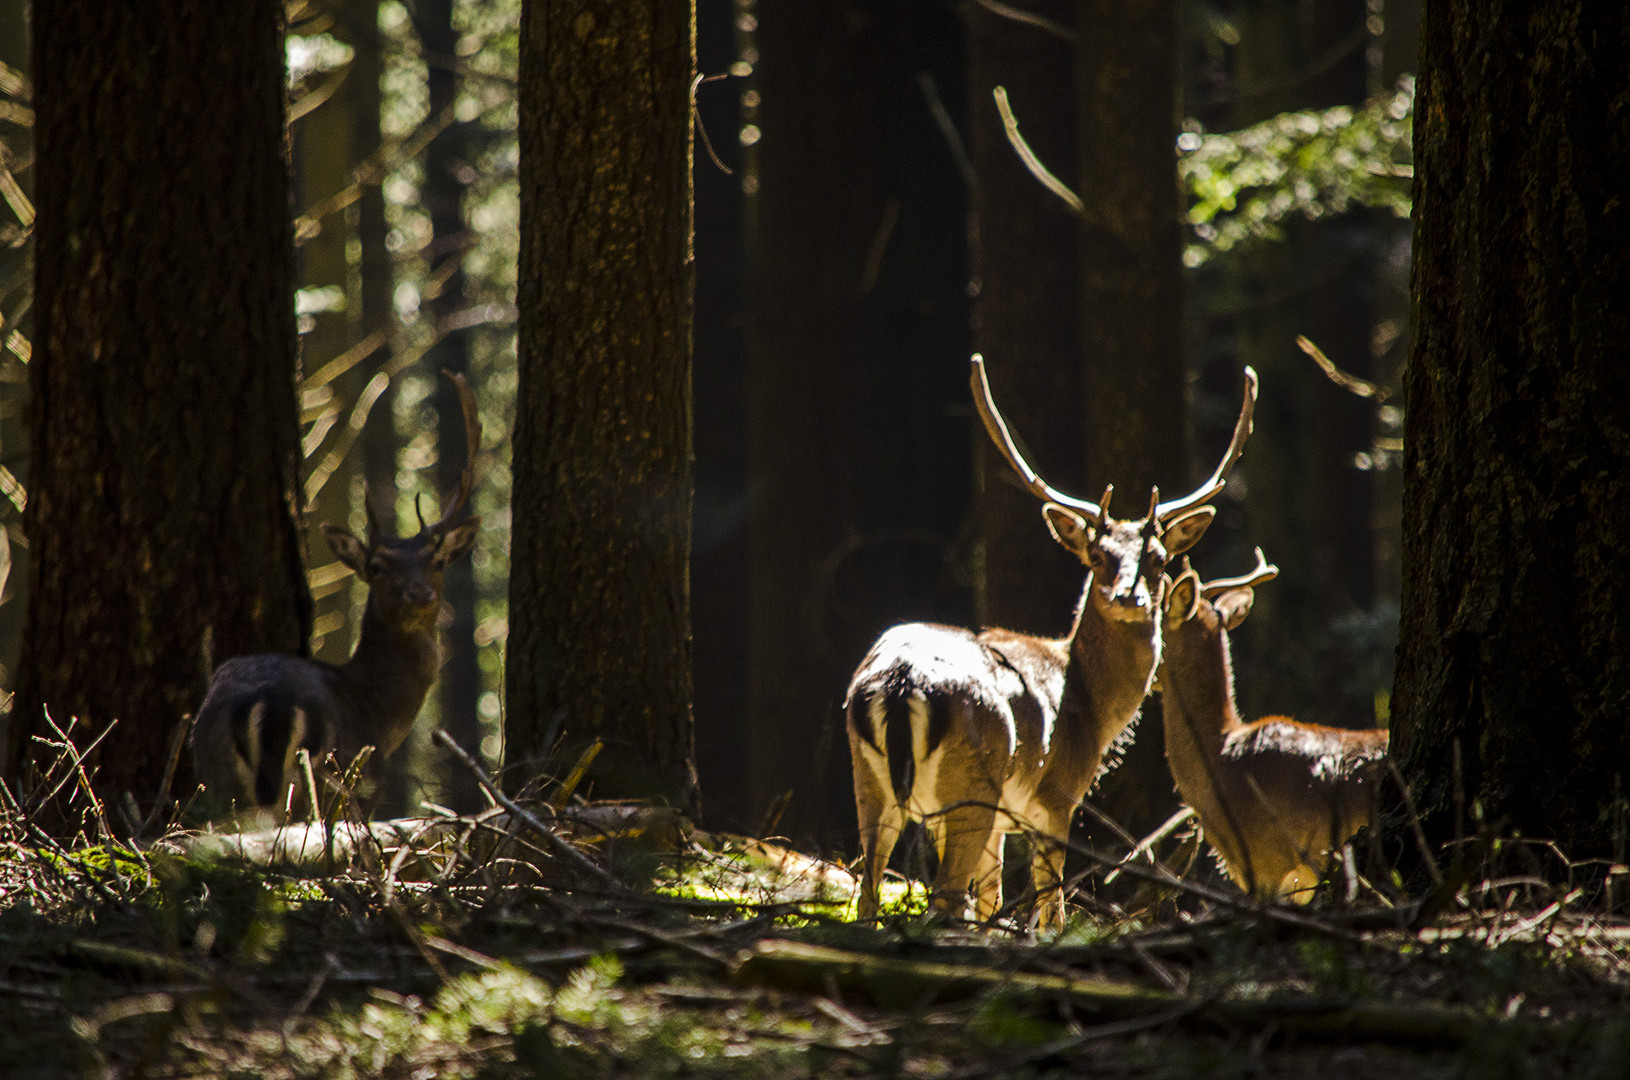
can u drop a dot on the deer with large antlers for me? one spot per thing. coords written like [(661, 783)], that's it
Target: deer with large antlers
[(1275, 798), (261, 711), (981, 734)]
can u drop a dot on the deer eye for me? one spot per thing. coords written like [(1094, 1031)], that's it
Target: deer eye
[(376, 567)]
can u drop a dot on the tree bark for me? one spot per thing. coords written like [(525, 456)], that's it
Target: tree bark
[(857, 375), (1516, 602), (1134, 425), (1026, 254), (600, 644), (163, 511)]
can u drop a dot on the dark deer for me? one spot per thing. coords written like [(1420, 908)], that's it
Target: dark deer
[(1276, 798), (978, 735), (261, 710)]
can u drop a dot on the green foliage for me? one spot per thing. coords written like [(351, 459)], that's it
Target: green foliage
[(1245, 184)]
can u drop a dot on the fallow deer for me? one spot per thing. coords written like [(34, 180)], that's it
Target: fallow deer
[(1275, 798), (981, 734), (261, 710)]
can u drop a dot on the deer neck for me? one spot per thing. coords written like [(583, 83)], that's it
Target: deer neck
[(1198, 686), (1110, 669), (389, 676)]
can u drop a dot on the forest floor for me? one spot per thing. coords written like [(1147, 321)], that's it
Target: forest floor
[(613, 941)]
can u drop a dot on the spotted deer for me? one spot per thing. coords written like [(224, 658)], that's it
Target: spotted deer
[(1277, 797), (981, 734), (260, 711)]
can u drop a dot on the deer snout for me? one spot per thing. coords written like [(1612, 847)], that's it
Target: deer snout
[(419, 596), (1126, 598)]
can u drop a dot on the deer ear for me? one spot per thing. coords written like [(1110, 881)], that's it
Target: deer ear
[(347, 548), (1185, 532), (1182, 599), (456, 540), (1068, 527), (1233, 605)]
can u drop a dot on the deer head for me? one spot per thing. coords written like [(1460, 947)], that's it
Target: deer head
[(1127, 557), (404, 574)]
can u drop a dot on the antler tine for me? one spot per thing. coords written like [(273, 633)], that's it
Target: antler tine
[(1263, 573), (996, 427), (472, 440), (1242, 431), (368, 509)]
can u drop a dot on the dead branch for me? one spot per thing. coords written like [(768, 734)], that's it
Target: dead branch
[(1029, 18), (891, 982), (1031, 161), (1351, 383)]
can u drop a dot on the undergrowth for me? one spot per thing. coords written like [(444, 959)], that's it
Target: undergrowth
[(618, 941)]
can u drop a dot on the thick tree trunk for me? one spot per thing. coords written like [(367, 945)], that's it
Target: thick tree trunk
[(1026, 253), (599, 642), (1516, 605), (719, 560), (1135, 422), (858, 358), (163, 498)]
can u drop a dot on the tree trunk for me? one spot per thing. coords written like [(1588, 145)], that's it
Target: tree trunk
[(1026, 255), (719, 558), (446, 158), (1310, 507), (599, 644), (858, 378), (164, 494), (1135, 423), (16, 294), (1516, 603)]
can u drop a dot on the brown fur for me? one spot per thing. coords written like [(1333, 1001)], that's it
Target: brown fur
[(1277, 797)]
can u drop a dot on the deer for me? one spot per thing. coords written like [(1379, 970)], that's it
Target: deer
[(978, 734), (1277, 798), (260, 711)]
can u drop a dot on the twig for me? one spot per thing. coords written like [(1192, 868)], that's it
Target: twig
[(1415, 825), (1351, 383), (575, 777), (1273, 913), (947, 126), (171, 762), (1031, 161), (562, 848), (1029, 18), (701, 129), (1146, 846), (370, 172), (77, 757)]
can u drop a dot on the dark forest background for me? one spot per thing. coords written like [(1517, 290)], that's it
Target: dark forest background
[(862, 223)]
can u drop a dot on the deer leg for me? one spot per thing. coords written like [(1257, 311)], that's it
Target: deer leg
[(988, 880), (882, 819), (968, 828), (877, 844), (1051, 835)]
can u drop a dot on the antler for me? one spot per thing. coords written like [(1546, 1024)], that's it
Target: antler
[(472, 440), (1242, 431), (1263, 573), (997, 428)]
